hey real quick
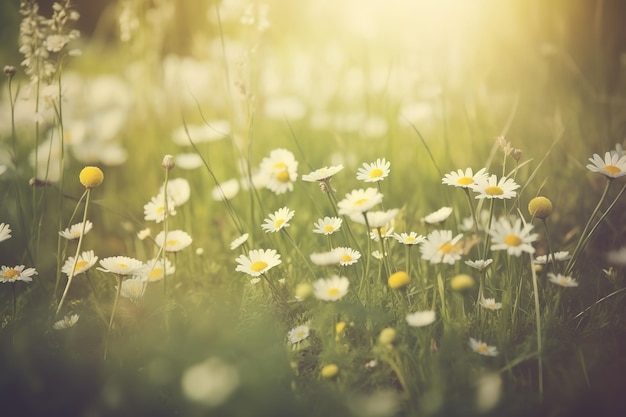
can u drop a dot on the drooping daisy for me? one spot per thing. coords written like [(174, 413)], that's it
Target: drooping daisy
[(325, 258), (120, 265), (278, 220), (5, 231), (613, 166), (465, 179), (153, 270), (66, 322), (226, 190), (74, 231), (421, 318), (558, 257), (347, 256), (383, 232), (375, 219), (155, 209), (490, 304), (491, 187), (374, 172), (143, 234), (322, 174), (409, 238), (441, 247), (479, 264), (133, 288), (298, 334), (331, 289), (359, 201), (515, 239), (327, 225), (85, 261), (176, 240), (377, 255), (482, 348), (16, 273), (239, 241), (562, 280), (178, 190), (438, 216), (258, 261), (280, 170)]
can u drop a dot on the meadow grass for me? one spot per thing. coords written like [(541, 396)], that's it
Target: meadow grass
[(406, 327)]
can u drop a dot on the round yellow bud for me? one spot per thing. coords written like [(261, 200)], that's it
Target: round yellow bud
[(461, 282), (398, 280), (387, 336), (329, 371), (540, 207), (91, 177), (339, 327), (304, 290)]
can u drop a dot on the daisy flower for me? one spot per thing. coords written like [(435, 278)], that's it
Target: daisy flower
[(327, 225), (374, 172), (359, 201), (280, 170), (382, 232), (278, 220), (441, 247), (298, 334), (16, 273), (5, 231), (153, 270), (409, 238), (482, 348), (375, 219), (74, 231), (226, 190), (490, 304), (515, 239), (479, 264), (331, 289), (239, 241), (322, 174), (377, 255), (85, 261), (176, 241), (562, 280), (133, 288), (558, 256), (465, 179), (178, 190), (613, 165), (66, 322), (258, 261), (325, 258), (143, 234), (347, 256), (155, 209), (494, 188), (421, 318), (120, 265), (438, 216)]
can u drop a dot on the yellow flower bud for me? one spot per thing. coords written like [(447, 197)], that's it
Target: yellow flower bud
[(91, 177), (387, 336), (339, 327), (398, 280), (461, 282), (329, 371), (304, 291), (540, 207)]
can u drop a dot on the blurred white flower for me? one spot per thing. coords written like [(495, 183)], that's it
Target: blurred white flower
[(210, 382)]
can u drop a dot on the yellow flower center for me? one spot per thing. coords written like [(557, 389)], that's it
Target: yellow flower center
[(328, 228), (283, 176), (512, 240), (376, 173), (332, 292), (80, 265), (10, 274), (122, 265), (278, 223), (360, 201), (409, 239), (465, 181), (258, 266), (172, 242), (301, 334), (346, 258), (482, 348), (449, 248), (612, 169), (156, 273), (494, 190), (160, 209)]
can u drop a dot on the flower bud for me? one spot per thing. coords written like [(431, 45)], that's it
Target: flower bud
[(168, 162), (540, 207), (387, 336), (329, 371), (91, 177), (461, 282), (398, 280)]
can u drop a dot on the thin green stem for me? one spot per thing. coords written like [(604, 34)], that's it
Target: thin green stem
[(538, 326), (118, 279)]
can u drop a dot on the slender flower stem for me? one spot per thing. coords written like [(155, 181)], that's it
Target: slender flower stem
[(550, 250), (14, 311), (538, 325), (306, 261), (118, 279)]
